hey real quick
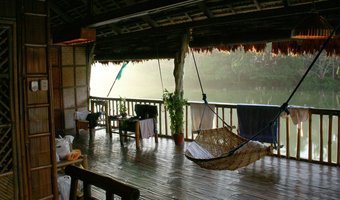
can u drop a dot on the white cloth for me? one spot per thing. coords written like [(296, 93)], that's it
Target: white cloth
[(207, 119), (198, 152), (250, 147), (64, 187), (147, 128), (78, 115), (298, 115)]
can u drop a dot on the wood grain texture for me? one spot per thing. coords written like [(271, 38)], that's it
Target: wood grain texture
[(162, 172)]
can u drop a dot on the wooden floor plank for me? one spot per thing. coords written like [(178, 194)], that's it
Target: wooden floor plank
[(161, 171)]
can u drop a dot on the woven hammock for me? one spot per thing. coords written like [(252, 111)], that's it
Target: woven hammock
[(212, 150)]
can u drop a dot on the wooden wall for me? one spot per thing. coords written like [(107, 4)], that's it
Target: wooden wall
[(40, 84), (71, 80), (38, 127)]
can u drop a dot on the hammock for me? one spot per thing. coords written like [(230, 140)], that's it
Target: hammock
[(214, 149), (221, 149)]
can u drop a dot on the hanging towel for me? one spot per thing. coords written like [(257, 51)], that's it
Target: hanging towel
[(253, 118), (297, 114), (147, 128), (207, 120), (78, 115)]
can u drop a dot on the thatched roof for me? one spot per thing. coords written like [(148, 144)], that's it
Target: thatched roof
[(146, 29)]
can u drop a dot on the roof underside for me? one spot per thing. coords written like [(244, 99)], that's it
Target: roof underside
[(146, 29)]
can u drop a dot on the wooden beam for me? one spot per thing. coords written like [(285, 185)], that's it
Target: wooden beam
[(241, 38), (179, 65), (134, 11), (104, 57), (137, 10), (205, 10), (275, 14), (257, 4), (59, 12)]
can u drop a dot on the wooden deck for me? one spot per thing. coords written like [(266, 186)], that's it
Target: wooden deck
[(162, 172)]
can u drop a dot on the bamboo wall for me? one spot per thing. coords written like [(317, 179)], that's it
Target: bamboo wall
[(70, 84), (27, 130), (38, 131)]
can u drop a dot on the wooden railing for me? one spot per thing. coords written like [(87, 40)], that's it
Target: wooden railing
[(317, 140)]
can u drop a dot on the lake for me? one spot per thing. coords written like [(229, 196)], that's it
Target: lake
[(142, 80)]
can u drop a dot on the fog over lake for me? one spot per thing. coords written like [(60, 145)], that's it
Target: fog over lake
[(143, 80)]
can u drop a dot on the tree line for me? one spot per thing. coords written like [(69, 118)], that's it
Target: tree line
[(263, 69)]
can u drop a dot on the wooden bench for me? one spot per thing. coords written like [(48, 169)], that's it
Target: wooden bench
[(109, 185)]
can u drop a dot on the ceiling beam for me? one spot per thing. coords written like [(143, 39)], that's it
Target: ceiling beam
[(59, 12), (137, 10), (104, 57), (205, 10), (240, 38), (257, 4), (275, 14)]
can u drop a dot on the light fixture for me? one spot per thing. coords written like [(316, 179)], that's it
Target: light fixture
[(313, 27), (74, 36)]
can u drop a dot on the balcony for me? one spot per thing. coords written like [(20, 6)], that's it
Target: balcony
[(318, 139), (161, 171)]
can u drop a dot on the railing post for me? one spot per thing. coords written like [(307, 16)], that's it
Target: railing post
[(332, 158), (321, 139), (310, 129), (330, 124)]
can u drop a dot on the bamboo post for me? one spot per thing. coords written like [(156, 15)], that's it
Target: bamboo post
[(287, 139), (338, 149), (321, 139), (298, 143), (310, 137), (179, 64), (330, 124)]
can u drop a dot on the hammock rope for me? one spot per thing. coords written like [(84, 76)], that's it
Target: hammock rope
[(204, 97), (159, 69), (229, 158)]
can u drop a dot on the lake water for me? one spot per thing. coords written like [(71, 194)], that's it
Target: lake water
[(143, 80)]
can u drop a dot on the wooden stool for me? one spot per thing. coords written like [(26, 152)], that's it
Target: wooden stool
[(82, 124)]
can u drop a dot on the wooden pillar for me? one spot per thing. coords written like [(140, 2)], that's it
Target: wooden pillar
[(37, 127), (179, 65)]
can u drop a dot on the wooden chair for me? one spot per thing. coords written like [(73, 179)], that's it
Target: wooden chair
[(131, 127), (102, 107), (86, 120), (109, 185)]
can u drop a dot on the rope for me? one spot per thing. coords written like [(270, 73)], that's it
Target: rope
[(311, 65), (284, 106), (159, 68), (199, 78), (160, 74), (204, 97)]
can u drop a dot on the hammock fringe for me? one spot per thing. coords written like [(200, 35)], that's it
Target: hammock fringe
[(211, 148)]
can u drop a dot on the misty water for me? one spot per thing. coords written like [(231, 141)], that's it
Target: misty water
[(143, 80)]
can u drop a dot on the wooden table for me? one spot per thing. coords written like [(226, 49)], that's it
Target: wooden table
[(123, 133)]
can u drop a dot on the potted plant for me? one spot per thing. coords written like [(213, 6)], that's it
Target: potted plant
[(122, 107), (174, 104)]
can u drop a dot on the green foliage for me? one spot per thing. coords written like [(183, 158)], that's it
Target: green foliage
[(246, 70), (175, 103), (122, 106)]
